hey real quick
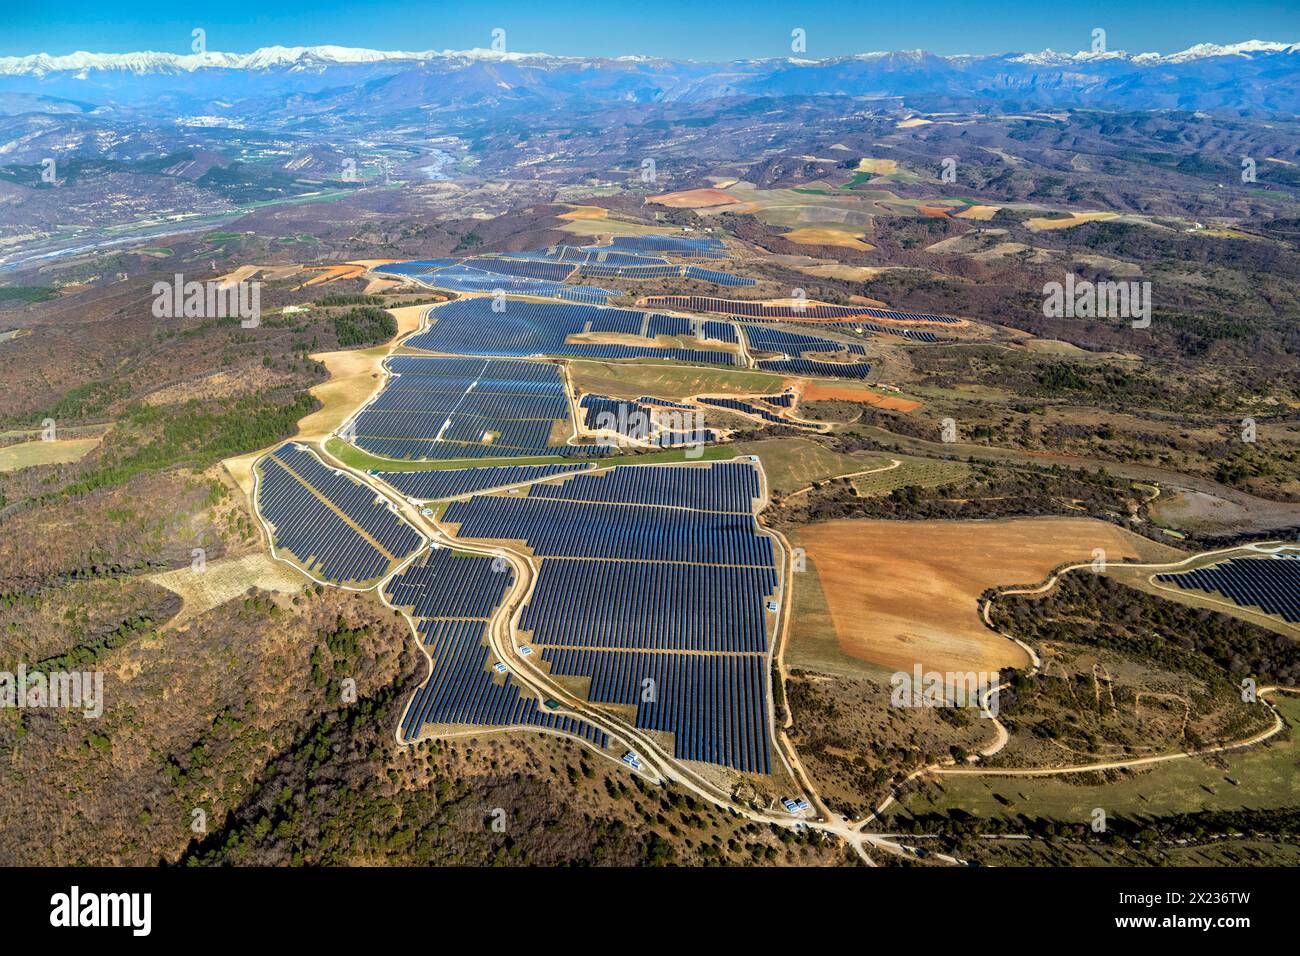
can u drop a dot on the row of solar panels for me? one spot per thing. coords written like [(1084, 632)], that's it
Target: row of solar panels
[(802, 366), (905, 332), (649, 605), (761, 338), (488, 274), (749, 408), (1270, 584), (755, 310), (482, 326), (680, 246), (587, 255), (453, 595), (583, 529), (671, 530), (334, 526), (715, 706), (506, 408), (454, 482), (479, 585), (461, 688), (730, 487), (716, 276), (637, 422)]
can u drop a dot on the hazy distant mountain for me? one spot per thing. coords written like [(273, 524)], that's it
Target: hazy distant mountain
[(1254, 75)]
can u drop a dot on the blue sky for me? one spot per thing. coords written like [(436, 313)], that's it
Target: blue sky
[(681, 28)]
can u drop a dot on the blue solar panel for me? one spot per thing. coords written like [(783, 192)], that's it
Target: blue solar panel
[(523, 328), (761, 338), (453, 596), (583, 529), (808, 367), (715, 706), (717, 278), (686, 248), (450, 408), (453, 482), (761, 310), (749, 408), (1270, 584), (334, 526), (695, 576)]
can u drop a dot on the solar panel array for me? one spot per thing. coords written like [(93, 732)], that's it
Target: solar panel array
[(761, 338), (660, 324), (493, 274), (522, 328), (336, 528), (720, 331), (661, 402), (620, 415), (653, 583), (454, 596), (637, 420), (454, 482), (915, 335), (526, 268), (748, 408), (1270, 584), (717, 277), (447, 584), (714, 705), (451, 408), (680, 246), (803, 366), (760, 310)]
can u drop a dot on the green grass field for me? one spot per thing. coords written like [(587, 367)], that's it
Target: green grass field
[(28, 293), (794, 463), (669, 382), (1262, 777), (30, 453), (924, 472)]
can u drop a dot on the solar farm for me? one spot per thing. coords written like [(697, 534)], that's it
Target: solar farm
[(761, 310), (337, 529), (652, 588), (545, 272), (441, 409), (452, 597), (554, 583), (1270, 584), (652, 593)]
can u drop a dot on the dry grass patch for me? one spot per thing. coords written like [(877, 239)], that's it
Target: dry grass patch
[(585, 212), (694, 199), (829, 237), (225, 580), (58, 452), (1068, 222), (979, 213)]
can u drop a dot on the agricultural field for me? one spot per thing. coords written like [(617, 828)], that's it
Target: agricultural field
[(902, 592)]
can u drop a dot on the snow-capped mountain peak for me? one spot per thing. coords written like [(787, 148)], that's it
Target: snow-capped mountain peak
[(326, 56), (265, 58)]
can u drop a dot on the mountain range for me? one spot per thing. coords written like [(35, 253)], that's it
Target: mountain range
[(1253, 76)]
